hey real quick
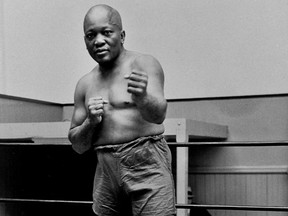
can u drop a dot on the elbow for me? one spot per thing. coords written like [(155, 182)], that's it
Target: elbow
[(161, 120), (162, 113), (78, 149), (159, 117), (77, 146)]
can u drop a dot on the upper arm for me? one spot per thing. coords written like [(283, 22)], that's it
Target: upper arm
[(80, 112)]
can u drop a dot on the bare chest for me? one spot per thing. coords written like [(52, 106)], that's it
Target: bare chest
[(113, 88)]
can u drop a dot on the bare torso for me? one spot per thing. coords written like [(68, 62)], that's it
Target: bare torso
[(122, 121)]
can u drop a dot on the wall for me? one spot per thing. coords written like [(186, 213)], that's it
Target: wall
[(207, 48), (2, 68), (239, 175), (16, 109), (249, 189)]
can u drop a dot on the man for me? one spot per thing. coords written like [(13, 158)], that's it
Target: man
[(119, 111)]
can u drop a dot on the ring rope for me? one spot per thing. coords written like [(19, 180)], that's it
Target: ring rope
[(179, 206)]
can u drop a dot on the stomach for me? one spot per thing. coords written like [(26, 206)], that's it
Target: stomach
[(124, 125)]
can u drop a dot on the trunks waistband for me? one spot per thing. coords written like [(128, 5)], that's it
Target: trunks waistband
[(116, 147)]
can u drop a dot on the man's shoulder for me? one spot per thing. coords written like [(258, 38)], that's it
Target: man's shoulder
[(146, 62), (137, 56), (88, 76), (85, 80), (143, 60)]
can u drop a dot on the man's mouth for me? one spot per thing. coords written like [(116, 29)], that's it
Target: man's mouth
[(101, 51)]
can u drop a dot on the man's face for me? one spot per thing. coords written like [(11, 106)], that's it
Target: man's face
[(103, 38)]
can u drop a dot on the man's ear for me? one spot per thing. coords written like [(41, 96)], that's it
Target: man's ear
[(123, 35)]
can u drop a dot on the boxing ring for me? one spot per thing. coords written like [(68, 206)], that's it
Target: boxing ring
[(181, 131)]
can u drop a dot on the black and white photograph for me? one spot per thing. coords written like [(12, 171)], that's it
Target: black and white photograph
[(144, 108)]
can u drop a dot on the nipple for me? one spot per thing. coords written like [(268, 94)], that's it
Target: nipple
[(129, 103)]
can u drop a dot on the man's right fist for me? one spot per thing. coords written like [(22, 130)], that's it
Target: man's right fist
[(96, 109)]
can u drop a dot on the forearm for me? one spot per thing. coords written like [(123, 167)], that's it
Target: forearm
[(152, 109), (81, 136)]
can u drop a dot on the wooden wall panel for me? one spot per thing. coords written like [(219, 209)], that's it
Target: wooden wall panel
[(278, 192), (243, 188)]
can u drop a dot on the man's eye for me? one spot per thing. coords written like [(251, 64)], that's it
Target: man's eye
[(107, 33), (90, 36)]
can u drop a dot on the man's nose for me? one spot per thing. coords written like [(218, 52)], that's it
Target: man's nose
[(99, 40)]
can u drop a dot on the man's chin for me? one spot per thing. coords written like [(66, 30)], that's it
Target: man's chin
[(104, 61)]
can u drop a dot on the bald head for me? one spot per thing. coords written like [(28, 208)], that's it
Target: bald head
[(105, 12)]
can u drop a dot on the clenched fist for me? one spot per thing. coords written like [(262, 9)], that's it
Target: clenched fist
[(137, 84), (96, 109)]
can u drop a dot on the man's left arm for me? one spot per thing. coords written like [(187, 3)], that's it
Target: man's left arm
[(146, 84)]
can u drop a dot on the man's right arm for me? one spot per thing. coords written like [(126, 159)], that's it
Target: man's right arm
[(84, 121)]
